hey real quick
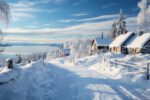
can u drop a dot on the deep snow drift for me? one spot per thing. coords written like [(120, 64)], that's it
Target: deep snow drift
[(90, 78)]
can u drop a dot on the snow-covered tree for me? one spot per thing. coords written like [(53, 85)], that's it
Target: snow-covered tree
[(4, 17), (121, 23), (119, 26), (113, 31), (18, 59), (80, 48), (67, 44), (143, 18)]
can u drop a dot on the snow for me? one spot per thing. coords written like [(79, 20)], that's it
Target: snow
[(7, 75), (90, 78), (120, 40), (103, 41), (140, 41)]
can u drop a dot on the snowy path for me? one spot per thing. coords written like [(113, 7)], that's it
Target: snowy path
[(58, 81), (85, 84)]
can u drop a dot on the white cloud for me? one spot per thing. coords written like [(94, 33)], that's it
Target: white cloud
[(84, 28), (99, 18), (109, 5), (24, 10), (37, 26), (80, 2), (80, 14), (67, 20), (88, 28), (49, 1), (90, 19), (21, 16), (132, 24)]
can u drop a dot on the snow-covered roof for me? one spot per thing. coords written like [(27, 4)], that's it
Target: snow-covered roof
[(131, 40), (120, 39), (66, 51), (102, 41), (140, 41)]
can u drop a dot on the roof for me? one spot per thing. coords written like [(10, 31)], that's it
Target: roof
[(140, 41), (102, 41), (66, 51), (120, 39)]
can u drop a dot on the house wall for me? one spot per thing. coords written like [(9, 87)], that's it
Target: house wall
[(145, 49), (94, 46), (115, 49), (134, 50), (96, 49)]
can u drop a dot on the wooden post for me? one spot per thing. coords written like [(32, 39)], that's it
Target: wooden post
[(104, 60), (9, 63), (116, 62), (148, 71)]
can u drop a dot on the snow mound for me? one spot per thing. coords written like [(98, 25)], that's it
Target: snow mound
[(7, 74)]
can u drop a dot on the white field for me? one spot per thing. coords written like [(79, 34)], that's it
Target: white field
[(89, 78)]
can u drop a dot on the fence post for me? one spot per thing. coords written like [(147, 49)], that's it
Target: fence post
[(116, 62), (104, 60), (9, 63), (147, 71)]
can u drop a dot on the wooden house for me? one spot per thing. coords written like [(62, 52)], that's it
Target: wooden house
[(65, 52), (119, 44), (100, 43), (141, 44)]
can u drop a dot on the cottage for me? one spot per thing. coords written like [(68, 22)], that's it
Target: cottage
[(141, 44), (65, 52), (119, 44), (100, 43)]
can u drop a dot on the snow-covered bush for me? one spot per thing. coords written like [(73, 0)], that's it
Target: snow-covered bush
[(29, 58), (80, 48), (18, 59)]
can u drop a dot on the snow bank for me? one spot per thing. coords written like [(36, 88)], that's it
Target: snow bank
[(126, 80), (35, 81), (7, 74)]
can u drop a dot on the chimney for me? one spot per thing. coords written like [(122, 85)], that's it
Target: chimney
[(141, 33), (102, 36), (125, 32)]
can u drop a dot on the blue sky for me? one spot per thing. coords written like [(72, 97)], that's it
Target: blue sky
[(60, 20)]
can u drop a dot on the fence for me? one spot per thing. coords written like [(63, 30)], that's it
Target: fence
[(117, 62)]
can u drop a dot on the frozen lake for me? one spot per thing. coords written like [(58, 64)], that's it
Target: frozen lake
[(26, 49)]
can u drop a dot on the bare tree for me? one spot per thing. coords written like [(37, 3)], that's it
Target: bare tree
[(4, 18)]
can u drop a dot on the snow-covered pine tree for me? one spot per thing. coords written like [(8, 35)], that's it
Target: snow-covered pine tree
[(143, 18), (113, 31), (4, 18), (121, 24)]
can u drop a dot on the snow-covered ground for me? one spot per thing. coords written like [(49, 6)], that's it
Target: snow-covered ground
[(90, 78)]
